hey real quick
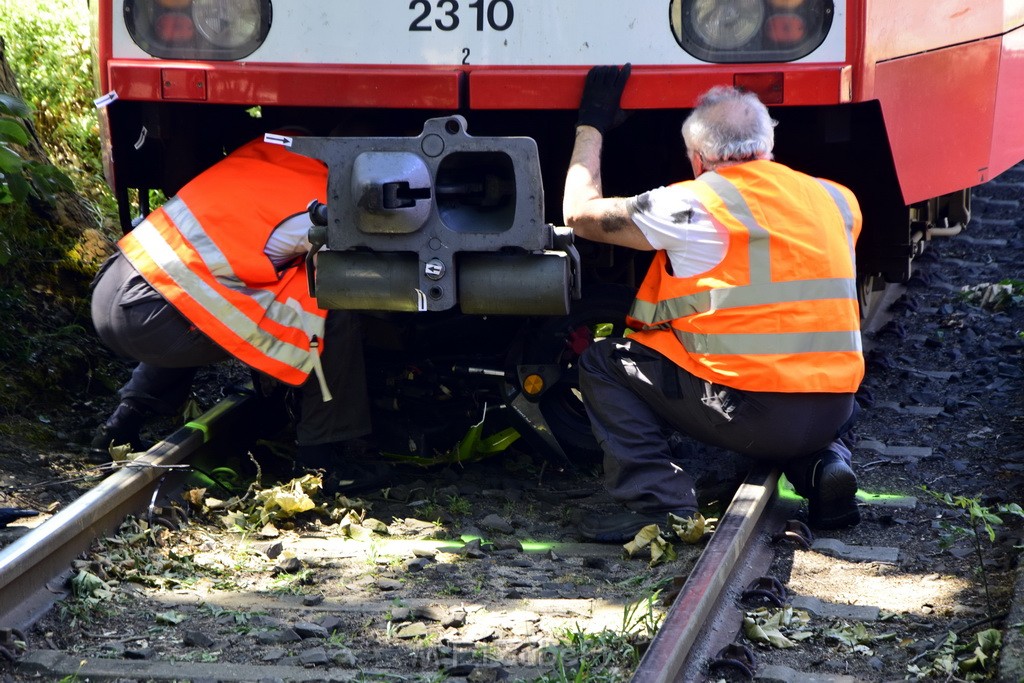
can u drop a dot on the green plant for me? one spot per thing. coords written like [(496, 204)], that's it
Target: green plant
[(458, 505), (338, 639), (995, 296), (640, 617), (88, 599), (981, 521), (607, 656), (45, 262), (969, 661), (484, 652), (48, 50), (20, 176), (603, 657), (429, 511), (290, 584)]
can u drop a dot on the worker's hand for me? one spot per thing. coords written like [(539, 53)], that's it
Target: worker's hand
[(601, 95)]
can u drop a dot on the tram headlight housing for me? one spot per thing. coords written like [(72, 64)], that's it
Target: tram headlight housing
[(726, 25), (220, 30), (730, 31)]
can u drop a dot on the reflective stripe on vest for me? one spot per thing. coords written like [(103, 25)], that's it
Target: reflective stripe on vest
[(737, 326), (288, 315), (660, 313), (227, 304), (760, 291)]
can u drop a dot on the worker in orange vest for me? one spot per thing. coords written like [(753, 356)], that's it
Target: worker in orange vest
[(218, 272), (746, 328)]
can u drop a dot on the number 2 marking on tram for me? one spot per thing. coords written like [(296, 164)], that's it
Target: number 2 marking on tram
[(496, 15)]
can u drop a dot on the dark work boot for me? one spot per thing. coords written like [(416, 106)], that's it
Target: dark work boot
[(121, 428), (622, 527), (827, 481)]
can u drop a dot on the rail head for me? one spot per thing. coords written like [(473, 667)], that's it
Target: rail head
[(43, 555), (696, 601)]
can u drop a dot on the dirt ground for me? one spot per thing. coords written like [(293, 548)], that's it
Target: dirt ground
[(942, 411)]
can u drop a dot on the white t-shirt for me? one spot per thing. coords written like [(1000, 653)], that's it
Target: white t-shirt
[(672, 219), (289, 239)]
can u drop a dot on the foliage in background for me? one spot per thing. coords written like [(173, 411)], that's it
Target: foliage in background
[(48, 49), (22, 179), (46, 346), (980, 522)]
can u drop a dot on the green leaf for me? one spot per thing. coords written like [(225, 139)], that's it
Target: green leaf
[(975, 663), (10, 161), (170, 617), (844, 635), (49, 179), (765, 635), (13, 106), (18, 188), (1012, 508), (290, 498), (990, 639), (87, 585), (688, 529), (13, 131)]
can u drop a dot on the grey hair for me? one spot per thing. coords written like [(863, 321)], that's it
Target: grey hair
[(729, 125)]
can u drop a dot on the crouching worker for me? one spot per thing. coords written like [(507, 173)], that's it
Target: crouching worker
[(746, 327), (218, 272)]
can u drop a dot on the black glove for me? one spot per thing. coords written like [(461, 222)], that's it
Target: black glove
[(601, 94)]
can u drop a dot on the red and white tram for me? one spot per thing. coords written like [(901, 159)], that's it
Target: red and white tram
[(908, 103)]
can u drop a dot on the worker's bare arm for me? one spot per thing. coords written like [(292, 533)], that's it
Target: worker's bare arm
[(585, 209)]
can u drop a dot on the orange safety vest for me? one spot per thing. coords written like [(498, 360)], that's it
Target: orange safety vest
[(203, 251), (780, 312)]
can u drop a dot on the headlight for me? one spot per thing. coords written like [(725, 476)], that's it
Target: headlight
[(725, 31), (726, 25), (198, 29), (227, 23)]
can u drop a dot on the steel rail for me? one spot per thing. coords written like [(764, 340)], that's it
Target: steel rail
[(694, 607), (37, 560), (698, 617), (43, 557)]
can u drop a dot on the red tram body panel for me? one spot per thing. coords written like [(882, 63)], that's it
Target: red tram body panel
[(456, 118), (910, 103)]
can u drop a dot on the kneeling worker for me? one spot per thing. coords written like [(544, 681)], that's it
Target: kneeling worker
[(746, 327), (218, 272)]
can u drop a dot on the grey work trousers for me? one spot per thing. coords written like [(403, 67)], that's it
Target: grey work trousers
[(636, 398), (136, 322)]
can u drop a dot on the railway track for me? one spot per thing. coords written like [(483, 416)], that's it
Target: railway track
[(30, 566), (428, 601), (695, 633), (40, 560)]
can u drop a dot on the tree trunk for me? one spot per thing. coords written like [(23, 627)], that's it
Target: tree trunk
[(70, 216)]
